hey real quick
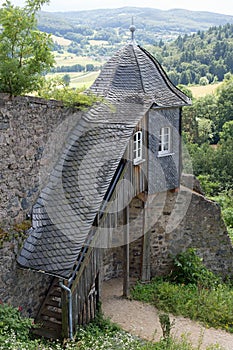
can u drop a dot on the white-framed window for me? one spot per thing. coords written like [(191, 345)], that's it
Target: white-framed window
[(164, 141), (137, 147)]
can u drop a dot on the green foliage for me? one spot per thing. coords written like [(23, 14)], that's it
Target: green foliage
[(12, 321), (225, 98), (57, 88), (227, 131), (203, 81), (192, 291), (25, 53), (166, 326), (209, 186), (225, 200), (189, 269), (205, 130), (185, 90), (201, 120), (214, 163)]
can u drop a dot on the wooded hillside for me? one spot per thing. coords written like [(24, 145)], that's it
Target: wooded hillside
[(200, 58)]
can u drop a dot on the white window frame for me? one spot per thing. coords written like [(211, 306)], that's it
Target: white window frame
[(137, 147), (164, 141)]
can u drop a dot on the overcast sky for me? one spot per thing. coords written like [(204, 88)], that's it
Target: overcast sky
[(219, 6)]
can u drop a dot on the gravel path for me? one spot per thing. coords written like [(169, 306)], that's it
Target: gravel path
[(142, 320)]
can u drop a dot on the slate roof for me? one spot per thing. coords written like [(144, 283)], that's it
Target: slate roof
[(131, 82)]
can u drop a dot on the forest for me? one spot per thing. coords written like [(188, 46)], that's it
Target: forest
[(208, 135), (201, 58)]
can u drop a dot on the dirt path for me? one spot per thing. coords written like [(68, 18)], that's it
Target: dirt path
[(142, 320)]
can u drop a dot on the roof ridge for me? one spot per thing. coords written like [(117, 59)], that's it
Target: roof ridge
[(138, 65), (165, 78)]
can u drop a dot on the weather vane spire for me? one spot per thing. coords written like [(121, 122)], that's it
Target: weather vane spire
[(132, 28)]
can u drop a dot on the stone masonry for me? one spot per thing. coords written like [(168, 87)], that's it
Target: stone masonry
[(29, 129), (31, 134)]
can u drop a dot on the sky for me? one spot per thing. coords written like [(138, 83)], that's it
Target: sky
[(223, 6)]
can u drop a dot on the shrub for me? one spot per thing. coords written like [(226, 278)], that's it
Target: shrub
[(189, 269), (12, 321)]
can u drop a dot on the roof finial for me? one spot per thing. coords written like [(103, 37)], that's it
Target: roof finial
[(132, 28)]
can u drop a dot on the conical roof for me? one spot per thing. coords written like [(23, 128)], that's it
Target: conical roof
[(134, 72)]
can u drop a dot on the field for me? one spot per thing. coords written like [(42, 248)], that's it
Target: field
[(61, 41), (200, 91), (79, 80), (70, 59)]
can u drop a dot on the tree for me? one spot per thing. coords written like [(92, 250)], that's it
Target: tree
[(227, 131), (66, 78), (203, 81), (205, 130), (25, 52)]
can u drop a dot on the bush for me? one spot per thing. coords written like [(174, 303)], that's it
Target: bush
[(189, 269), (56, 88), (12, 321)]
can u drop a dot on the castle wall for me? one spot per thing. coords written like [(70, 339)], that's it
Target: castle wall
[(21, 288), (31, 131)]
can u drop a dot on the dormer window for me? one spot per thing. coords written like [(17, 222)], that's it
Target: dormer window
[(164, 141), (137, 147)]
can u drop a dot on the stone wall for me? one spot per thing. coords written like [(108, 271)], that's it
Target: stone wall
[(18, 287), (190, 220), (32, 133), (27, 127)]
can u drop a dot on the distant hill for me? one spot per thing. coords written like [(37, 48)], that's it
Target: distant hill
[(152, 24), (194, 47)]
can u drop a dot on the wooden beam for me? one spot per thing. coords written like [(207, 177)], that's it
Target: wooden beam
[(145, 248), (126, 252), (65, 319)]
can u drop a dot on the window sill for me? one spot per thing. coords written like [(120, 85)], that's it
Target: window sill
[(138, 161), (160, 155)]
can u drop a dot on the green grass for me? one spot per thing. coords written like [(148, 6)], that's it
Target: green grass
[(212, 307), (191, 290)]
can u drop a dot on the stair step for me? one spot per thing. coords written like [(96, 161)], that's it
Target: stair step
[(55, 293), (50, 325), (53, 303), (47, 333), (51, 313)]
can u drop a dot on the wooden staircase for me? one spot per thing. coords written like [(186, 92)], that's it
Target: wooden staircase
[(49, 317)]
